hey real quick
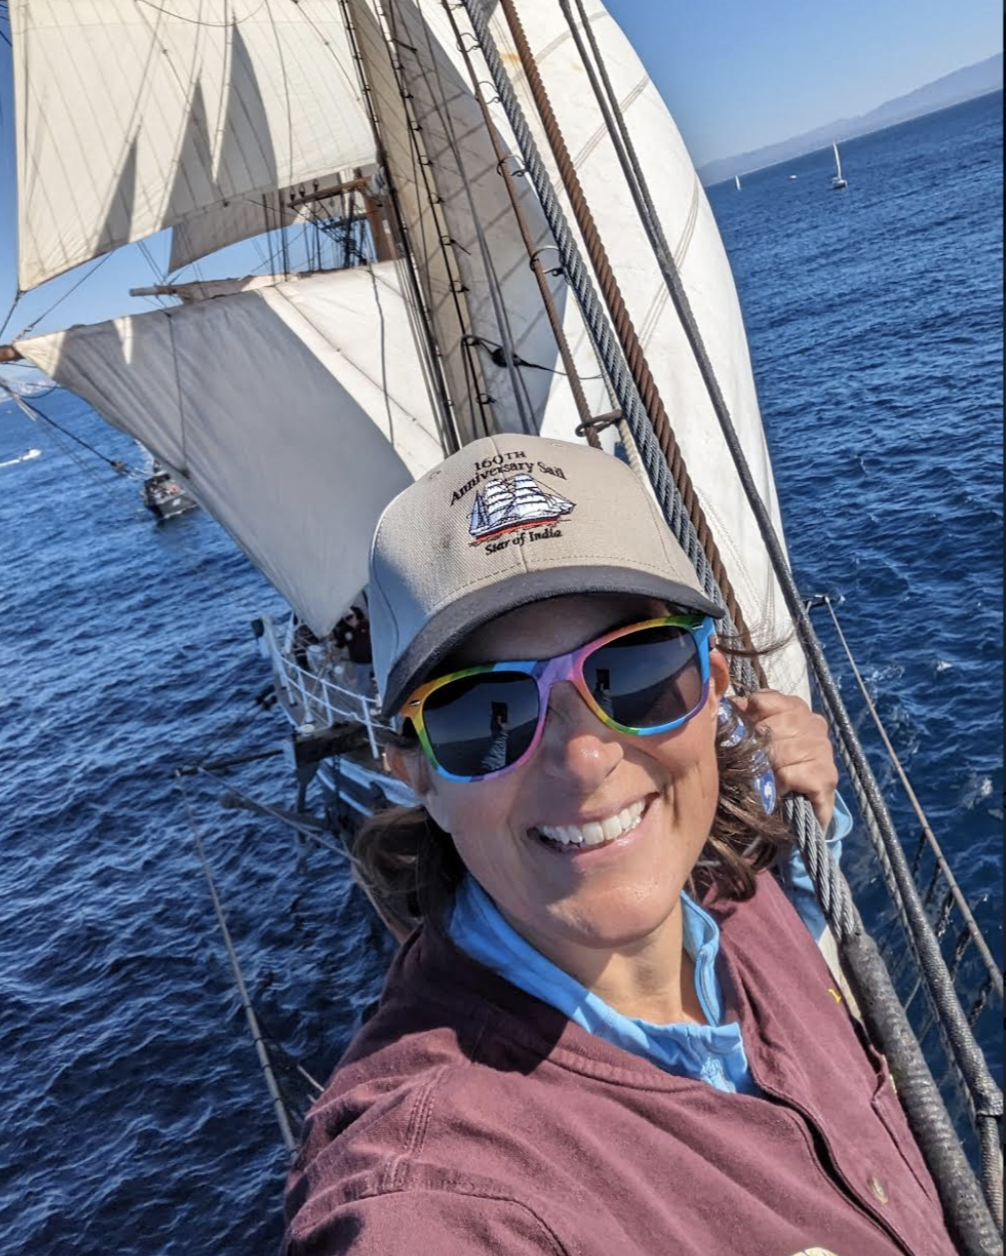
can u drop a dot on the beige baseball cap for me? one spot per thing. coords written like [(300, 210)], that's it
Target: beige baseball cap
[(508, 521)]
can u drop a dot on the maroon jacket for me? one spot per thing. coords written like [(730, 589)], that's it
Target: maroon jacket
[(468, 1117)]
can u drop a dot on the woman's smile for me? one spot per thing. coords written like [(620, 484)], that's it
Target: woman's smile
[(593, 833)]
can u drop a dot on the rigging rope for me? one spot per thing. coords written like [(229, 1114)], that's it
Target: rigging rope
[(10, 313), (421, 165), (975, 934), (282, 1116), (68, 293), (632, 347), (932, 1126), (440, 394), (36, 415), (939, 984), (631, 378), (198, 21), (517, 385), (534, 254)]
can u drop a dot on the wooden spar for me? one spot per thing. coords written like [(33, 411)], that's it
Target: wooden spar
[(9, 354), (158, 290), (382, 241), (324, 194), (383, 245)]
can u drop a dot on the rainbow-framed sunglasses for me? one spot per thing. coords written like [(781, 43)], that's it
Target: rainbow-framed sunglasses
[(646, 679)]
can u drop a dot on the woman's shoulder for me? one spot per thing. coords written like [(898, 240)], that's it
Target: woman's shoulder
[(406, 1149), (425, 1044)]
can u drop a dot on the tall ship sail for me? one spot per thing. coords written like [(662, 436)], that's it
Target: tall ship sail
[(479, 218)]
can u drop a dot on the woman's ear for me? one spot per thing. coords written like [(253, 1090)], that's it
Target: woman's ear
[(411, 768), (719, 673)]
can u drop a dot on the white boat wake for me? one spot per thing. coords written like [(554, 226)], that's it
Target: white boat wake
[(30, 456)]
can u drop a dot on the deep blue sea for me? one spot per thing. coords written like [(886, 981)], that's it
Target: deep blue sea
[(134, 1117)]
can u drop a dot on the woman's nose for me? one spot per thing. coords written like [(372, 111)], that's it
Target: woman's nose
[(576, 746)]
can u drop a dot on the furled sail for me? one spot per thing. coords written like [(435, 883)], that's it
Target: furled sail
[(226, 223), (206, 289), (294, 412), (135, 116), (698, 250)]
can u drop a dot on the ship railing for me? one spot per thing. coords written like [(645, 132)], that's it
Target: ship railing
[(314, 699)]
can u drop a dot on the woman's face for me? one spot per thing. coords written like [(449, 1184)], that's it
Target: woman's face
[(602, 897)]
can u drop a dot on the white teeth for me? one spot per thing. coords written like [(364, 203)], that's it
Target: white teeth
[(594, 833)]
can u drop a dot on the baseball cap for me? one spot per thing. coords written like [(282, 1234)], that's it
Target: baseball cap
[(508, 521)]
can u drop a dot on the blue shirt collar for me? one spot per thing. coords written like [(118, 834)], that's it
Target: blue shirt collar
[(713, 1053)]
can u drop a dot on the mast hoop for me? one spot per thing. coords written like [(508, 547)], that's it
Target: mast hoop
[(519, 173), (535, 260), (600, 424)]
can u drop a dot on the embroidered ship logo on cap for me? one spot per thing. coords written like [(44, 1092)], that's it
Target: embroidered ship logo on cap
[(511, 503)]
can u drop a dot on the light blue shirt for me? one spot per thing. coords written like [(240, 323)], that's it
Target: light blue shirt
[(713, 1053)]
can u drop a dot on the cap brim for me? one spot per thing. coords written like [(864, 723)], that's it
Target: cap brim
[(445, 632)]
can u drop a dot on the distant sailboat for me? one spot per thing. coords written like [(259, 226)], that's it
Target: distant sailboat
[(839, 181), (737, 180)]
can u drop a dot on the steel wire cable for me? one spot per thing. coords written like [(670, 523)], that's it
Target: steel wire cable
[(571, 372), (928, 836), (517, 383), (921, 1098), (279, 1107), (612, 359), (970, 1059), (421, 166), (418, 307)]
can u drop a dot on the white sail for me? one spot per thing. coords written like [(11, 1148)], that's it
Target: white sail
[(133, 117), (838, 162), (698, 250), (294, 413)]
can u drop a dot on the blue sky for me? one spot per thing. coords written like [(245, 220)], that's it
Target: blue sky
[(740, 74), (737, 75)]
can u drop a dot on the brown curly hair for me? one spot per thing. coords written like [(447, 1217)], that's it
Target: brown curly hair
[(410, 868)]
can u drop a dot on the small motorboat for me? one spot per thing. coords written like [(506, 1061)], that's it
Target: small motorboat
[(164, 496)]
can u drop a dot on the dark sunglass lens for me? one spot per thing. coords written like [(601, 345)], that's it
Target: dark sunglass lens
[(648, 678), (482, 724)]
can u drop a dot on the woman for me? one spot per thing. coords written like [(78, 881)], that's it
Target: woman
[(612, 1033)]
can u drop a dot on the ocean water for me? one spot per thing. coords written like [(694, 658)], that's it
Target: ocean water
[(135, 1119)]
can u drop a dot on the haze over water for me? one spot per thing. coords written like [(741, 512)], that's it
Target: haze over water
[(135, 1118)]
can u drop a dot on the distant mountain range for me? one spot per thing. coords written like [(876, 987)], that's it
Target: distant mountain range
[(953, 89)]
